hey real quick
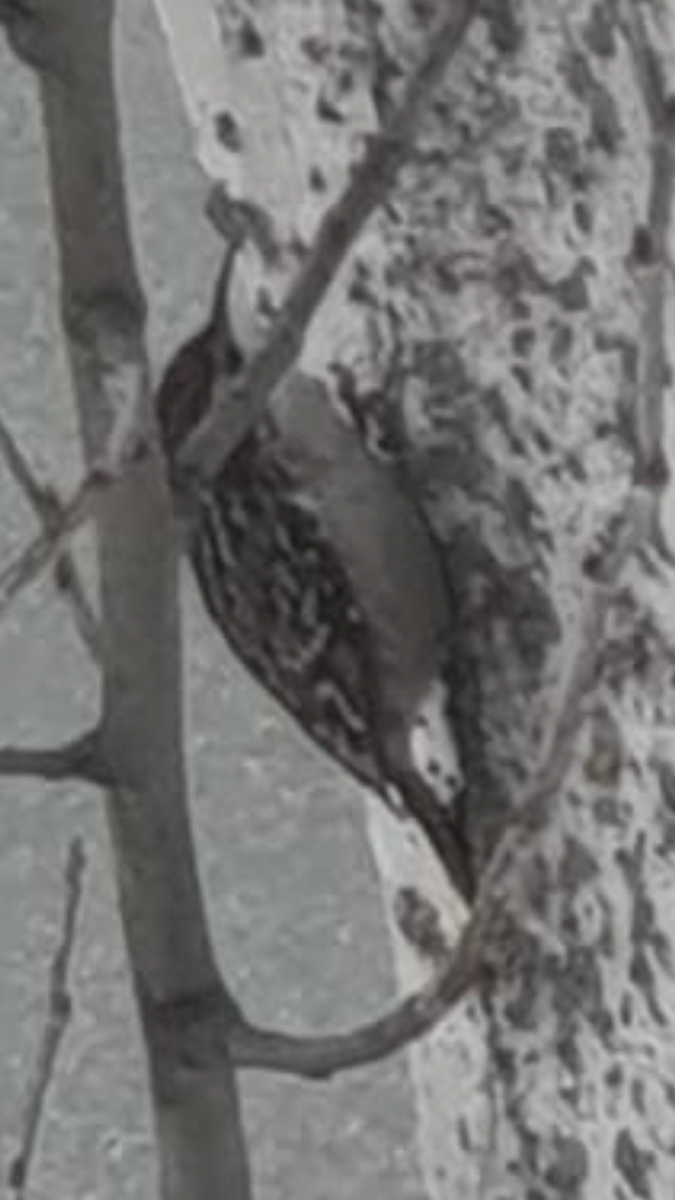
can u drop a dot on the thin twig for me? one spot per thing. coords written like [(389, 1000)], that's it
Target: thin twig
[(58, 1016), (647, 418), (556, 758), (20, 468), (51, 544), (80, 758), (47, 505), (648, 414), (236, 406), (126, 447), (321, 1057), (535, 809)]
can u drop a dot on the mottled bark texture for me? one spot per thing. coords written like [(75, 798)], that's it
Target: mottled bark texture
[(201, 1147), (519, 282)]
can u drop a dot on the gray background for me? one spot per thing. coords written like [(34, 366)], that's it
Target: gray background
[(290, 884)]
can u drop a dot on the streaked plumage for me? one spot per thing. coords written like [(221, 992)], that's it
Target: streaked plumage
[(319, 572)]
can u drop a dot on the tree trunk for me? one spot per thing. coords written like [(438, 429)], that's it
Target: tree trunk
[(519, 281)]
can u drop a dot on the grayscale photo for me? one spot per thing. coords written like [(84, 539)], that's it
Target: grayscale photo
[(337, 599)]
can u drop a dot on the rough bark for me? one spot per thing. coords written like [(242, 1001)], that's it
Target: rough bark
[(520, 277)]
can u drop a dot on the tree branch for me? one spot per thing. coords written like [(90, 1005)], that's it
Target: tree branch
[(201, 1143), (48, 546), (646, 420), (534, 811), (321, 1057), (237, 405), (58, 1015), (81, 758), (47, 505), (125, 447)]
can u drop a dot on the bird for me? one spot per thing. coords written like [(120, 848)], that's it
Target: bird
[(317, 568)]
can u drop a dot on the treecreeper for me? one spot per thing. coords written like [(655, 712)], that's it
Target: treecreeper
[(318, 569)]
